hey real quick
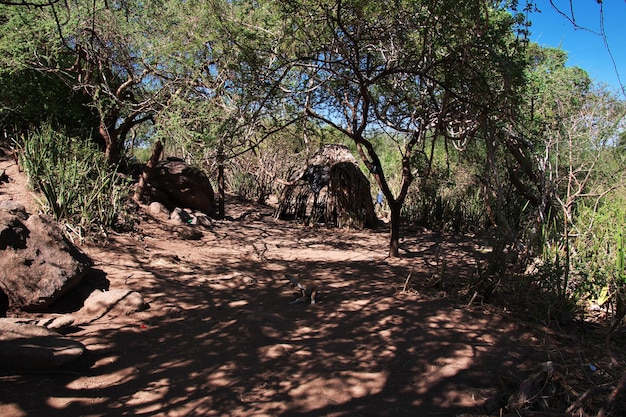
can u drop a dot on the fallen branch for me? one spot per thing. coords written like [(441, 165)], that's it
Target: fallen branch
[(406, 282), (471, 301), (620, 386)]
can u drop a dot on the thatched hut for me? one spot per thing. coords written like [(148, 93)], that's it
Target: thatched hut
[(330, 189)]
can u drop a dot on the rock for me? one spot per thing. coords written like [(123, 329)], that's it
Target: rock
[(172, 311), (13, 233), (13, 207), (115, 303), (182, 185), (272, 200), (158, 209), (248, 280), (530, 389), (201, 219), (193, 218), (38, 263), (28, 347), (186, 232), (180, 216), (58, 323)]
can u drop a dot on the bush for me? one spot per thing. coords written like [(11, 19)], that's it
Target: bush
[(598, 252), (78, 187), (449, 199), (588, 268)]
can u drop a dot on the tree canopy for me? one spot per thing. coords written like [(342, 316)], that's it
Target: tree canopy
[(417, 71), (215, 79)]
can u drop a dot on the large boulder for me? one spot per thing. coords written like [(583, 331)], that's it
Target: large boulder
[(38, 264), (176, 184)]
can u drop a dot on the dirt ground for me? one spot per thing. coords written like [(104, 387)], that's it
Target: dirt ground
[(221, 339)]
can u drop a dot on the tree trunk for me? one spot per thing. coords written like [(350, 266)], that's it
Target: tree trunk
[(110, 136), (394, 229), (147, 173), (221, 207), (109, 148), (220, 183)]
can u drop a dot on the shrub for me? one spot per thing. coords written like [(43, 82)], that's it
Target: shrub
[(598, 252), (78, 187)]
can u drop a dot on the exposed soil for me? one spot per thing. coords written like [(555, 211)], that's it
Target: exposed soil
[(221, 339)]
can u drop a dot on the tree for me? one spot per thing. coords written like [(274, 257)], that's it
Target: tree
[(571, 13), (42, 3), (417, 71), (560, 157), (225, 76), (29, 99), (101, 51), (518, 160), (576, 129), (29, 95)]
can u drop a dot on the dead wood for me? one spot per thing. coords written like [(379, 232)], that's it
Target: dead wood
[(407, 281), (144, 179)]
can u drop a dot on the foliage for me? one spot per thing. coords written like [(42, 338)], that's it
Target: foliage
[(258, 174), (459, 120), (559, 156), (595, 262), (29, 99), (31, 94), (366, 67), (79, 188), (226, 100), (447, 202), (535, 172), (583, 172), (598, 251), (98, 51)]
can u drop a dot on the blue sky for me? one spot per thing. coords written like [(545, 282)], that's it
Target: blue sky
[(586, 49)]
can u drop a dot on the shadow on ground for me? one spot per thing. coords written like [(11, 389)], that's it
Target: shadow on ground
[(221, 338)]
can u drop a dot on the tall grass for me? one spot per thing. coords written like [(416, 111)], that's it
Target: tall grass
[(77, 186), (599, 252)]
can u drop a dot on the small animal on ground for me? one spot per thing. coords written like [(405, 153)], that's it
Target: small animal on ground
[(308, 292)]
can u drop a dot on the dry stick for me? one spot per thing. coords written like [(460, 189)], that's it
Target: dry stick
[(471, 301), (408, 278), (620, 386), (618, 316)]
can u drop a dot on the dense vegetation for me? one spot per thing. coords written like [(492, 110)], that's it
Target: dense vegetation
[(463, 124)]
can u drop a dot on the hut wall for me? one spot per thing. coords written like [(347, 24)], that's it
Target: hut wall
[(331, 189)]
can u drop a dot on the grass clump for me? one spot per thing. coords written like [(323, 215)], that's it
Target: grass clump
[(78, 187)]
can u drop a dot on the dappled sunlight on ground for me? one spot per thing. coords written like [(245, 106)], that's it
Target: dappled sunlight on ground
[(221, 339)]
